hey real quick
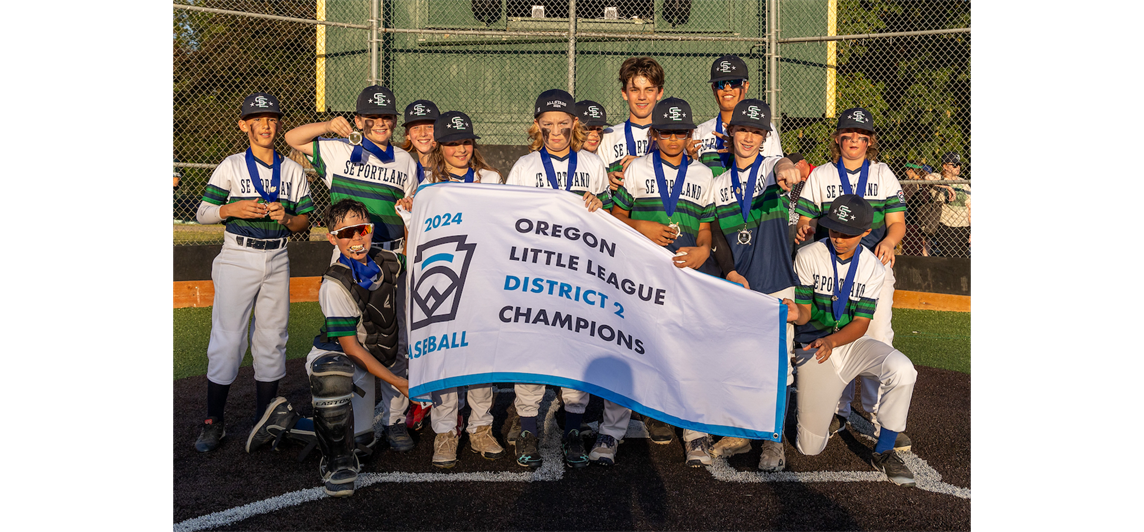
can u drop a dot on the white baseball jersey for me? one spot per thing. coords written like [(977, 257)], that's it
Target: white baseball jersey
[(482, 176), (376, 183), (230, 182), (590, 174), (614, 144), (816, 280), (705, 133), (882, 191)]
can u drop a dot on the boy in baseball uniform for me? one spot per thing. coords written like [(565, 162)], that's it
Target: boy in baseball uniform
[(641, 85), (856, 170), (751, 235), (729, 84), (365, 166), (262, 198), (669, 198), (556, 161), (839, 284)]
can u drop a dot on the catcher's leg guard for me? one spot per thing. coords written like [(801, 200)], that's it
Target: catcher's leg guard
[(331, 384)]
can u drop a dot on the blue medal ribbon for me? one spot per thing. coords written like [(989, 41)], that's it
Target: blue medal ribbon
[(669, 202), (358, 155), (631, 140), (420, 171), (844, 177), (745, 197), (363, 273), (842, 293), (724, 158), (551, 173), (275, 176), (468, 177)]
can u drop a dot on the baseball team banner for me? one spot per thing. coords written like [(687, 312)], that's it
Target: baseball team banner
[(520, 284)]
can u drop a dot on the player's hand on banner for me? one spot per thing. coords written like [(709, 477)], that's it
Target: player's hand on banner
[(735, 277), (659, 233), (691, 257), (246, 209), (885, 252), (792, 311), (339, 126), (592, 202), (825, 346)]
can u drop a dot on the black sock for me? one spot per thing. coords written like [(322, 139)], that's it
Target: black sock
[(528, 424), (571, 422), (264, 393), (216, 399)]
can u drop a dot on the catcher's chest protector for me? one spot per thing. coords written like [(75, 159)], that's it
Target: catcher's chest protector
[(378, 307)]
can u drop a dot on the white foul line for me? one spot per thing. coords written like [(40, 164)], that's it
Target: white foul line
[(925, 476)]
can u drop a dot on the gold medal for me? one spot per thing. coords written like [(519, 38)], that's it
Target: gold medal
[(355, 138)]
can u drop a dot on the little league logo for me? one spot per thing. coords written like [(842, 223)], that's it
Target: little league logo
[(726, 67), (675, 113), (457, 123), (437, 290), (379, 98)]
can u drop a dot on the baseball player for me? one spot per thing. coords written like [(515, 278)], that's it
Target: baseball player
[(556, 161), (368, 168), (839, 283), (668, 198), (729, 84), (854, 151), (595, 120), (419, 119), (456, 159), (641, 85), (751, 235), (262, 198)]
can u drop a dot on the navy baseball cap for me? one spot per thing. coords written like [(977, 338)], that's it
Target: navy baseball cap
[(555, 100), (952, 157), (672, 114), (259, 102), (453, 126), (591, 113), (376, 100), (849, 214), (728, 67), (856, 118), (421, 111), (752, 113)]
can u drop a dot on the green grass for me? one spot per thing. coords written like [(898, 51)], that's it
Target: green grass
[(928, 337)]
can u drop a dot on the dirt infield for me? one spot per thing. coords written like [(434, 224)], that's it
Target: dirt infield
[(648, 489)]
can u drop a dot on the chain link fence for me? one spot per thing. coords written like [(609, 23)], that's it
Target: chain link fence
[(905, 61)]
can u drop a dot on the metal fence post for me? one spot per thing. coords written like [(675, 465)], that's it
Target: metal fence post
[(374, 14), (572, 47), (772, 63)]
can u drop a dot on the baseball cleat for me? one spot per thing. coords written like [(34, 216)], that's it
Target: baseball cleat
[(894, 467), (278, 418), (209, 437), (773, 458), (730, 446), (604, 452), (511, 428), (902, 443), (398, 437), (527, 450), (699, 452), (445, 449), (338, 483), (485, 444), (658, 431), (573, 447)]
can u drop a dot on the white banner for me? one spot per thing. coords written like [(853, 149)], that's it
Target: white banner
[(520, 284)]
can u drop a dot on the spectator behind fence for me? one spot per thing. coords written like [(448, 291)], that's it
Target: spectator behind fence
[(922, 213), (955, 200)]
